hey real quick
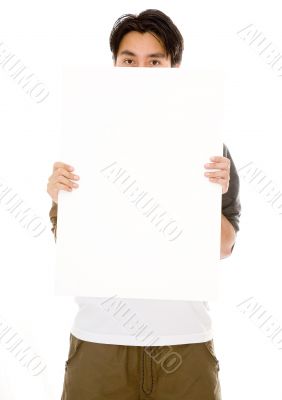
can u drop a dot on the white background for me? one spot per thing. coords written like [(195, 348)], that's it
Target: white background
[(45, 34)]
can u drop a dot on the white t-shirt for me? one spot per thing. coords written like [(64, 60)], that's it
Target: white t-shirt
[(141, 322)]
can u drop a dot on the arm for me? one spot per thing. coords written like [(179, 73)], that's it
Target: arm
[(61, 179), (228, 237), (228, 178), (53, 218)]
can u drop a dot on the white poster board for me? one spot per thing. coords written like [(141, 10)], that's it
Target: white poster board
[(145, 221)]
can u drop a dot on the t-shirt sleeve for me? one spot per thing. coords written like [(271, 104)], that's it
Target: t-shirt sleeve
[(231, 206), (53, 218)]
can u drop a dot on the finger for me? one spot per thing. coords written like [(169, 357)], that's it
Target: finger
[(60, 164), (65, 181), (63, 172), (221, 182), (218, 174), (218, 158), (61, 186), (69, 175), (218, 165)]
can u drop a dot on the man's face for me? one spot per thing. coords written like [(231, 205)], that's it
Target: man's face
[(142, 50)]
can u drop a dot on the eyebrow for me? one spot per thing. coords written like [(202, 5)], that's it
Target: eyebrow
[(130, 53)]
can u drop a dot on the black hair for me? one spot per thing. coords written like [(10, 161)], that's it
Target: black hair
[(155, 22)]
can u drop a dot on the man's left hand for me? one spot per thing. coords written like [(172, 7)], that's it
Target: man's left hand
[(222, 176)]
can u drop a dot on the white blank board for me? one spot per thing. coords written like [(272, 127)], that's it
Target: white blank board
[(145, 221)]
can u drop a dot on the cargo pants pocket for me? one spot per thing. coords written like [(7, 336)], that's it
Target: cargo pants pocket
[(75, 344), (210, 348)]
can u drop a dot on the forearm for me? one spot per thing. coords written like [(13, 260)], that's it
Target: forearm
[(53, 218), (228, 237)]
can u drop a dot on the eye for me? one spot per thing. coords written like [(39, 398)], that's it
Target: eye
[(128, 61), (155, 62)]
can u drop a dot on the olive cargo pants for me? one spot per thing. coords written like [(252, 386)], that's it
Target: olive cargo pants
[(98, 371)]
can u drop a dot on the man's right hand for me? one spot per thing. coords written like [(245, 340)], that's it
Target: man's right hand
[(61, 179)]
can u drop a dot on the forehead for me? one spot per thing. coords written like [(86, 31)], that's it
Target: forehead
[(141, 43)]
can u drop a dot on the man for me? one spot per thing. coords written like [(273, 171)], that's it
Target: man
[(105, 361)]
